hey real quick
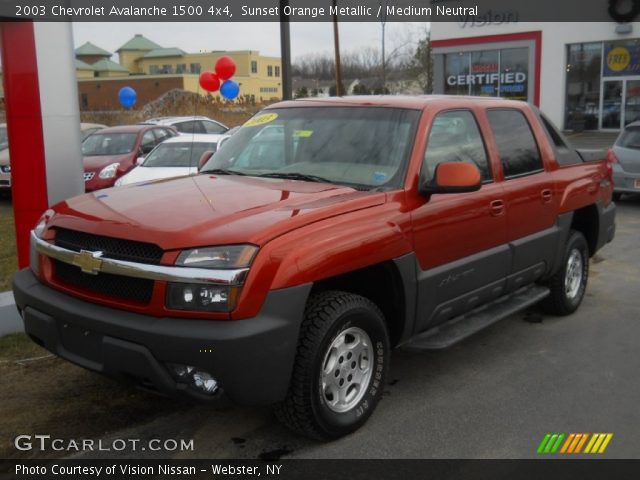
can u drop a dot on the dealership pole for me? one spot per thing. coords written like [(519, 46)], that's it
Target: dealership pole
[(285, 51)]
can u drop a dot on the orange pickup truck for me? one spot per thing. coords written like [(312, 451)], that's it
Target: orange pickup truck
[(322, 234)]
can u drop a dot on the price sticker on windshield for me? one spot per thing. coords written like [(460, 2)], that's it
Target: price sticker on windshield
[(261, 119), (302, 133)]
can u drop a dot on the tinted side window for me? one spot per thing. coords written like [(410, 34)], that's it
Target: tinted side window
[(213, 127), (161, 135), (191, 126), (455, 137), (517, 146), (552, 132), (148, 141)]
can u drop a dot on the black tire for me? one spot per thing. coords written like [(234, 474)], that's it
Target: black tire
[(329, 316), (616, 196), (563, 300)]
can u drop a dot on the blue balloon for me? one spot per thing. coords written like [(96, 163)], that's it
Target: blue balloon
[(127, 97), (229, 89)]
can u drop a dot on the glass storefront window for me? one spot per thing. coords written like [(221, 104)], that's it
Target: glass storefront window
[(456, 73), (612, 104), (621, 58), (485, 66), (488, 73), (582, 108), (632, 102), (514, 69)]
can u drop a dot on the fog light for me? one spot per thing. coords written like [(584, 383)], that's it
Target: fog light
[(180, 371), (205, 382), (196, 379)]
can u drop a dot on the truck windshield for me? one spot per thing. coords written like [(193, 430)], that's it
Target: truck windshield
[(109, 144), (364, 147)]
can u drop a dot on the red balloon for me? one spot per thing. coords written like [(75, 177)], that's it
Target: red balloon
[(225, 67), (209, 81)]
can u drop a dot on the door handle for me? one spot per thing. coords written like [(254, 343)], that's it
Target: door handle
[(546, 195), (496, 207)]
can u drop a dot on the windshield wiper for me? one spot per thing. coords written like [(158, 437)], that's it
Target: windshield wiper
[(223, 171), (296, 176)]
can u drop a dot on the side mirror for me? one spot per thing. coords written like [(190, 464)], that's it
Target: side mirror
[(452, 177), (204, 158), (139, 160)]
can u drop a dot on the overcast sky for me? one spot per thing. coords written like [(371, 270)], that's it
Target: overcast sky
[(265, 37)]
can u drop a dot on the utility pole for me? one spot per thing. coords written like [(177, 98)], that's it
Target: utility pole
[(336, 41), (383, 23), (285, 52)]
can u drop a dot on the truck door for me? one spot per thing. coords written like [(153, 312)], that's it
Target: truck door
[(459, 239), (529, 196)]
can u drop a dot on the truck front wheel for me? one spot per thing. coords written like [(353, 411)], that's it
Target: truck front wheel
[(569, 283), (340, 367)]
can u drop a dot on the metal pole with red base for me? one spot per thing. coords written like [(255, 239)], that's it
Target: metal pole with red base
[(41, 102)]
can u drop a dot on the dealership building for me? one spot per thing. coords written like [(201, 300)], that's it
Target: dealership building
[(582, 75)]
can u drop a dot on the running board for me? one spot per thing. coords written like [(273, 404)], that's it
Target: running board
[(459, 328)]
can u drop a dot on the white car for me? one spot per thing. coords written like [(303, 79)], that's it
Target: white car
[(190, 125), (175, 157)]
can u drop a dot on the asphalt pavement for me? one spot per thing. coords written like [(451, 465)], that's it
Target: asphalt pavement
[(494, 395)]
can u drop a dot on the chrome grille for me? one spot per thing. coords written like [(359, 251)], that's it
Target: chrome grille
[(134, 289)]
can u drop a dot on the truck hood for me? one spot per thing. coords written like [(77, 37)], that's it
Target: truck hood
[(208, 210)]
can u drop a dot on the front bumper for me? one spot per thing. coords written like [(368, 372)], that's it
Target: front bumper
[(5, 181), (251, 359)]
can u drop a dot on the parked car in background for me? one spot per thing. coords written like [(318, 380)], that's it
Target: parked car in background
[(87, 129), (184, 125), (5, 167), (626, 161), (112, 152), (176, 157)]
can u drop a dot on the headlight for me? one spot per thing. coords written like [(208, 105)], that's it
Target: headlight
[(202, 297), (109, 171), (209, 297), (230, 256)]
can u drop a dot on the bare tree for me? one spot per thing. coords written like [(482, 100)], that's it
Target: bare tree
[(423, 63)]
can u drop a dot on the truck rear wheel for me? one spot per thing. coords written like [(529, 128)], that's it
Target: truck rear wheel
[(340, 367), (569, 283)]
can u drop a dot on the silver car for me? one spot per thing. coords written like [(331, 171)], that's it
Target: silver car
[(626, 167), (190, 125), (5, 167)]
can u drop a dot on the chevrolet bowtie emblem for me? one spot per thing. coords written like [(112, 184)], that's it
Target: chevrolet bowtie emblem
[(89, 262)]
